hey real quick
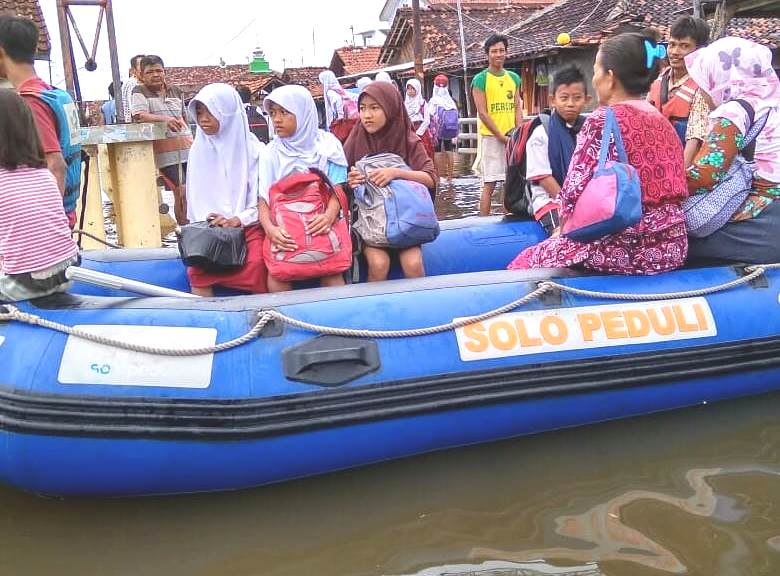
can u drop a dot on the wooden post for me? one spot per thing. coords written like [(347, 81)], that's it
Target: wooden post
[(93, 211), (419, 73), (135, 194), (466, 88), (67, 61), (115, 74)]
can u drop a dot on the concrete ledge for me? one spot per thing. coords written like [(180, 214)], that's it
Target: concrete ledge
[(123, 133)]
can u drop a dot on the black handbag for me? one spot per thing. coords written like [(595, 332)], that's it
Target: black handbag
[(212, 248)]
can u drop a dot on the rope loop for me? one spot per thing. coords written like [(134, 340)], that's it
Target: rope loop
[(9, 312)]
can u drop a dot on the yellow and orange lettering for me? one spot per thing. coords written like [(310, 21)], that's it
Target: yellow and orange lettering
[(614, 325), (589, 323), (502, 335), (701, 318), (554, 330), (682, 321), (526, 341), (637, 323), (665, 329), (478, 341)]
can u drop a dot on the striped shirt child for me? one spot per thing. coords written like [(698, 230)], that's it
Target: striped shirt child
[(35, 239)]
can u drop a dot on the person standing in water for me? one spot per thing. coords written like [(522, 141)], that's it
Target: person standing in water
[(496, 94)]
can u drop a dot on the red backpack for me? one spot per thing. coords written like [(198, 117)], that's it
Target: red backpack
[(295, 200)]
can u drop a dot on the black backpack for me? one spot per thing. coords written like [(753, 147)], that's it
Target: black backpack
[(258, 124), (517, 189)]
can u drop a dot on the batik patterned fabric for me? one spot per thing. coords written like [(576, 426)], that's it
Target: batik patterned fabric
[(732, 69), (712, 164), (658, 242)]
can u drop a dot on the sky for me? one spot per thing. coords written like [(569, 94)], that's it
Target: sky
[(200, 32)]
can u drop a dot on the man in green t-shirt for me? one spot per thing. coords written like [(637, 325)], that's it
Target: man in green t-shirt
[(496, 93)]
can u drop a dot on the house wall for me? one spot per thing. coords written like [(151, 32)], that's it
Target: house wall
[(583, 59)]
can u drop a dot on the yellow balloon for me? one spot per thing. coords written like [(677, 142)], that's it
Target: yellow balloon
[(563, 39)]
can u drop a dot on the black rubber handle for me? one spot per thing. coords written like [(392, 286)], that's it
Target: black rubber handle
[(330, 360)]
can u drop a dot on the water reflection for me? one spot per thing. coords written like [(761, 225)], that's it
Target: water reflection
[(492, 568), (600, 533), (462, 198), (695, 492)]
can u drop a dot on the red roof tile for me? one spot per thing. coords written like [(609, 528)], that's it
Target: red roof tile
[(355, 59), (439, 27), (190, 79), (30, 9), (306, 76), (762, 30), (590, 22), (490, 3)]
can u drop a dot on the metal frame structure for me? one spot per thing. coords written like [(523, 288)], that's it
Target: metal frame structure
[(66, 21)]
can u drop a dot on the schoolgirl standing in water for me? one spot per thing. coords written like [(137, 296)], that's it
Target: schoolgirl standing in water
[(418, 112)]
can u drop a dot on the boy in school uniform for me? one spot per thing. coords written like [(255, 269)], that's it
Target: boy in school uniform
[(551, 144)]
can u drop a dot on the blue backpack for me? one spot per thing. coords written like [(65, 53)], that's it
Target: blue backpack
[(447, 121), (399, 215), (69, 134)]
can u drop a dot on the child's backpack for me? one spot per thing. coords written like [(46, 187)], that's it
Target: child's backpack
[(447, 124), (69, 136), (349, 102), (517, 189), (399, 215), (294, 201)]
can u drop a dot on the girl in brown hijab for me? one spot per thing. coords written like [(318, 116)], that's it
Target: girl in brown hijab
[(385, 127)]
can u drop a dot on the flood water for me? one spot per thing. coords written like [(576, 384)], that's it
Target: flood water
[(694, 492)]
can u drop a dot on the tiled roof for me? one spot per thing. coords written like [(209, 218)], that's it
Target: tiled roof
[(356, 59), (439, 27), (762, 30), (589, 22), (30, 9), (490, 3), (190, 79), (306, 76)]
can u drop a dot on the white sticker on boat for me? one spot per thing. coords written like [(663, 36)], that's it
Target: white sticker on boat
[(2, 339), (84, 362), (518, 333)]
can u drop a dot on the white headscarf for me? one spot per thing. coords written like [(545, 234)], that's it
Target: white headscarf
[(309, 147), (734, 68), (223, 168), (329, 81), (414, 104), (383, 77), (441, 98), (363, 82)]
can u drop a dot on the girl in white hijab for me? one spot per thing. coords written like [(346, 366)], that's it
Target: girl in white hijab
[(363, 82), (418, 113), (383, 77), (222, 185), (298, 146), (334, 97), (440, 103)]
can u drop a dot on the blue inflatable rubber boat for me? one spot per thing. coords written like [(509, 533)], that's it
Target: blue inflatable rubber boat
[(87, 417)]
